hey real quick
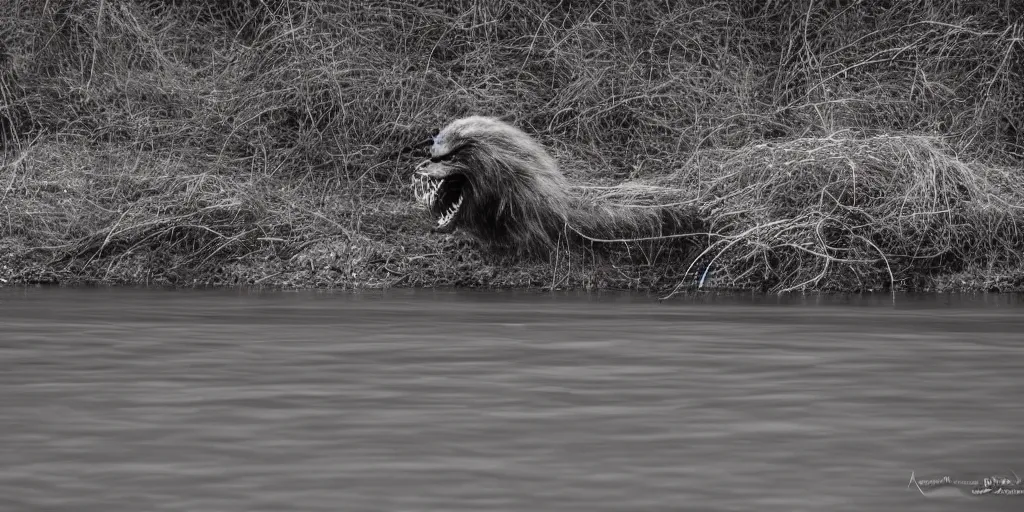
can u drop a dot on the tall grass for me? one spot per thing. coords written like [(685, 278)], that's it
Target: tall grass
[(831, 145)]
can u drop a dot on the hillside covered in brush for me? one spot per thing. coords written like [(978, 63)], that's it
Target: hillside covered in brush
[(836, 145)]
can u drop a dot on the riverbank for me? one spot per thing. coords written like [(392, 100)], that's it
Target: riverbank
[(270, 144)]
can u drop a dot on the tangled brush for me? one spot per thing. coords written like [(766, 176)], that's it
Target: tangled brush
[(853, 213)]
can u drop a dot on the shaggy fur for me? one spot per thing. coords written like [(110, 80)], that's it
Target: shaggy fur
[(497, 183)]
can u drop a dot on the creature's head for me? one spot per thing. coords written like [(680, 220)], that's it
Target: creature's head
[(493, 180)]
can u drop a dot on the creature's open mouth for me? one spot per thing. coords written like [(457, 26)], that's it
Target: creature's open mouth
[(442, 196)]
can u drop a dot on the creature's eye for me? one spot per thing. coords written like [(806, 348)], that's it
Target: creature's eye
[(443, 158)]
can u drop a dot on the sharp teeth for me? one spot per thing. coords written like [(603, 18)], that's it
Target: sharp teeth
[(425, 189), (449, 214), (418, 188)]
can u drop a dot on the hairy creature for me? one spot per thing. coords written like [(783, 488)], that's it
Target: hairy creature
[(497, 183)]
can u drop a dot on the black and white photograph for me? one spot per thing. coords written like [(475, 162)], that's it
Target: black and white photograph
[(511, 256)]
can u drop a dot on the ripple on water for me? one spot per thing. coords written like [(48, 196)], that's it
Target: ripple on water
[(139, 400)]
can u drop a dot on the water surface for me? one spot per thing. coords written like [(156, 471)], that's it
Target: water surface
[(131, 400)]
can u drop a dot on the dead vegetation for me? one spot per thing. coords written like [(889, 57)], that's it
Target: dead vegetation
[(829, 145)]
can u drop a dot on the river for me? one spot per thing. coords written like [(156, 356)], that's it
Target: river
[(115, 399)]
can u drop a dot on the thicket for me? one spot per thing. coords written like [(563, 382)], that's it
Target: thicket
[(830, 144)]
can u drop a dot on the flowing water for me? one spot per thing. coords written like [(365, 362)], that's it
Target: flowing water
[(152, 400)]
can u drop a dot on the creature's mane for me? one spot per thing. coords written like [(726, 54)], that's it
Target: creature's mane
[(499, 184)]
